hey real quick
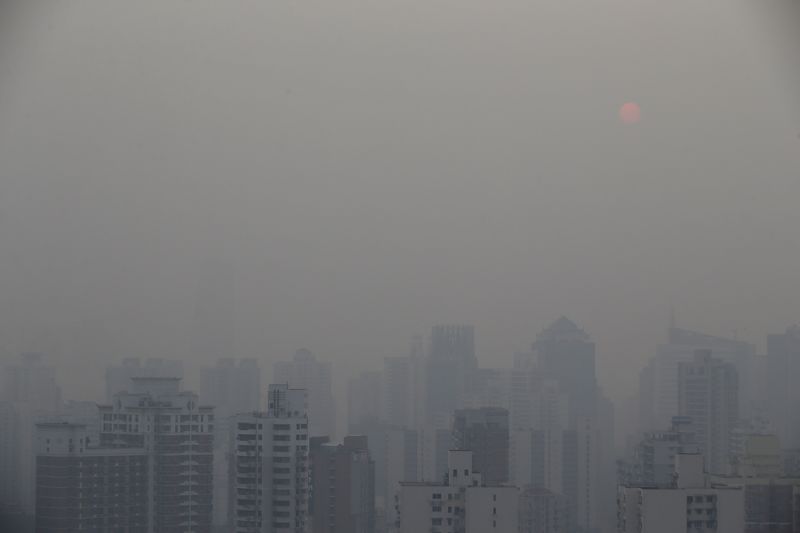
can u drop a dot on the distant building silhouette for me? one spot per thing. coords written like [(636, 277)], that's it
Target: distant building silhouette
[(708, 393), (485, 433), (343, 486), (304, 371), (783, 361), (118, 378), (232, 387), (450, 369), (30, 393)]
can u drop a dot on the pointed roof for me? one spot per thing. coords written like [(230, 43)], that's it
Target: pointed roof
[(563, 329)]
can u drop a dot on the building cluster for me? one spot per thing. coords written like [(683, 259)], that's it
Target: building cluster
[(434, 443), (717, 442)]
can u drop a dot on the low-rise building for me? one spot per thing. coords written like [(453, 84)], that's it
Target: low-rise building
[(692, 505), (460, 504)]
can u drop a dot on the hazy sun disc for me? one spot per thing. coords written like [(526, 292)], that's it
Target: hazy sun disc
[(630, 113)]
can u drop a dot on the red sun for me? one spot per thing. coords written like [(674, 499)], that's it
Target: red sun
[(630, 113)]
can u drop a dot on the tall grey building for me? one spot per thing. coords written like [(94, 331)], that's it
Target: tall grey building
[(404, 389), (364, 397), (563, 426), (305, 372), (176, 434), (343, 486), (658, 381), (566, 354), (269, 484), (232, 387), (542, 511), (395, 452), (118, 378), (30, 393), (654, 456), (485, 433), (783, 356), (450, 369), (708, 391), (83, 487)]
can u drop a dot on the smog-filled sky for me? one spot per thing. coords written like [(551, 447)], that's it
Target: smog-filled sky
[(180, 178)]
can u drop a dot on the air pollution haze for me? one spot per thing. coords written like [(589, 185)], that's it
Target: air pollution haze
[(206, 179)]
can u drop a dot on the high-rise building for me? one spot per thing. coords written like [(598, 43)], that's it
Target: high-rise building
[(343, 486), (176, 433), (692, 505), (434, 444), (449, 370), (485, 433), (269, 483), (118, 378), (564, 426), (566, 354), (769, 494), (537, 439), (581, 476), (542, 511), (231, 387), (783, 363), (654, 457), (462, 503), (395, 452), (524, 383), (708, 394), (81, 487), (305, 372), (404, 389), (491, 387), (31, 380), (658, 381), (30, 393), (364, 398)]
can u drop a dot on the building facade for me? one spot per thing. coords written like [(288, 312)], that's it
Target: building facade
[(783, 364), (343, 486), (461, 504), (691, 506), (542, 511), (449, 370), (708, 393), (232, 387), (118, 378), (484, 432), (306, 372), (269, 476), (80, 487), (176, 434)]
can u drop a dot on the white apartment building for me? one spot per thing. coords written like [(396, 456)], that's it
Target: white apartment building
[(177, 436), (692, 506), (269, 484), (462, 504)]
